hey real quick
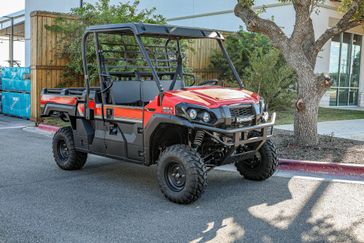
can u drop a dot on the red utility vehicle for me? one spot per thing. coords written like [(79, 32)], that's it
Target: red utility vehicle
[(147, 109)]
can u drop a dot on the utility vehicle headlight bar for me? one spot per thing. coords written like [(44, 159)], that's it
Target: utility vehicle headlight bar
[(195, 113)]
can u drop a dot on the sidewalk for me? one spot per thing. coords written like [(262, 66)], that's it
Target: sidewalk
[(349, 129), (8, 122)]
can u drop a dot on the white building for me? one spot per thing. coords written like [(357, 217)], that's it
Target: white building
[(342, 57)]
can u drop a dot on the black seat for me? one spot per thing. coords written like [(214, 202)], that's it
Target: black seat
[(125, 92), (150, 89), (133, 91)]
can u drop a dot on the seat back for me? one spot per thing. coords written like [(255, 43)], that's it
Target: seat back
[(133, 91), (149, 90), (125, 92)]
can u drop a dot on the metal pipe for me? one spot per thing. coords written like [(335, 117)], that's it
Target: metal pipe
[(11, 41), (11, 44)]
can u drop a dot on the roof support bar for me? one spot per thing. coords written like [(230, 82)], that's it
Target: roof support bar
[(236, 75)]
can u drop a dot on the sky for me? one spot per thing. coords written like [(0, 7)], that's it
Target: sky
[(11, 6), (8, 7)]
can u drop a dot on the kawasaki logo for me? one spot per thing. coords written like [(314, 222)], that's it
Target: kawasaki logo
[(241, 119)]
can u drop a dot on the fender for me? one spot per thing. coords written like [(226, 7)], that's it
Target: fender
[(153, 123), (49, 107)]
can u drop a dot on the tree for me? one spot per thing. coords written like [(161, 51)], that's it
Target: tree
[(300, 51)]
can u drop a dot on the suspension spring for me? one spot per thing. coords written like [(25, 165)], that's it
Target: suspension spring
[(198, 139)]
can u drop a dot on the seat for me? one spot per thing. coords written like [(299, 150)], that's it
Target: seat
[(134, 91), (150, 89), (125, 92)]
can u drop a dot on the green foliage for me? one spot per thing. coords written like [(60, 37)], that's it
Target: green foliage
[(100, 13), (239, 46), (261, 67), (271, 77), (345, 5)]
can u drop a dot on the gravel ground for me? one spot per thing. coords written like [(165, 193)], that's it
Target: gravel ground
[(329, 149)]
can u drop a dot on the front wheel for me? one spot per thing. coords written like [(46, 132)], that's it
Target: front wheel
[(64, 152), (182, 174), (262, 166)]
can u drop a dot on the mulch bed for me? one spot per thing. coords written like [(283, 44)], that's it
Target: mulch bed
[(329, 149)]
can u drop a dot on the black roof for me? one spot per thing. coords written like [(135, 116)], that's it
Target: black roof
[(167, 31)]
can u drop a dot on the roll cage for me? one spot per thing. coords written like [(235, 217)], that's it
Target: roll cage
[(139, 30)]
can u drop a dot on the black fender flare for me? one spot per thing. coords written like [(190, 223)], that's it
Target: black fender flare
[(153, 123)]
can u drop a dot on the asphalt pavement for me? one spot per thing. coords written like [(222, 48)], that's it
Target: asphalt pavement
[(112, 201)]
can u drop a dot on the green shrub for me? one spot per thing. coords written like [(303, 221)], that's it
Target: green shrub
[(261, 67), (100, 13), (270, 77)]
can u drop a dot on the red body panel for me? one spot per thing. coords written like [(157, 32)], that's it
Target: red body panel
[(58, 99), (209, 97)]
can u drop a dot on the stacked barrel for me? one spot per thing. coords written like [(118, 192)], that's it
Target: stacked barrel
[(15, 85)]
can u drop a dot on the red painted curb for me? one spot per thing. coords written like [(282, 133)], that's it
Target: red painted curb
[(322, 167), (48, 128)]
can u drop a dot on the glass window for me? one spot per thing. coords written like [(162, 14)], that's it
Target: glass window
[(345, 69)]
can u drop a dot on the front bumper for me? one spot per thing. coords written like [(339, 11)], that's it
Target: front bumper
[(240, 136)]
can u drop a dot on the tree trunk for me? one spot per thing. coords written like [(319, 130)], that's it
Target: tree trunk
[(305, 121), (309, 95)]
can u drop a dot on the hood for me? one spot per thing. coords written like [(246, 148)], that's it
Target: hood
[(213, 96)]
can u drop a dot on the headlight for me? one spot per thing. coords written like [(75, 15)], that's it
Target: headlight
[(192, 114), (206, 117), (262, 105)]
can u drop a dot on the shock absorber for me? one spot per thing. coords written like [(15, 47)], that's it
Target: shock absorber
[(198, 139)]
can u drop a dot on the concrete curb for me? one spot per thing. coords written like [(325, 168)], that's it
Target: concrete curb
[(321, 167), (288, 164), (48, 128)]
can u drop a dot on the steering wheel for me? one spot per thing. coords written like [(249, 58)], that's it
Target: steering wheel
[(209, 82)]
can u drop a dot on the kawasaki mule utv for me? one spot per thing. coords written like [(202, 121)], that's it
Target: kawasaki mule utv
[(148, 109)]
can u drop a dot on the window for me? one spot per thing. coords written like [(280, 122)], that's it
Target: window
[(345, 69)]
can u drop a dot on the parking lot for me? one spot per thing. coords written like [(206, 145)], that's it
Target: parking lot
[(111, 201)]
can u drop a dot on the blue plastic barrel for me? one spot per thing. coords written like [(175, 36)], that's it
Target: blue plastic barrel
[(16, 104), (15, 85), (1, 102), (15, 79)]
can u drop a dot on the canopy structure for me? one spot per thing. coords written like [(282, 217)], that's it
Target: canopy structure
[(167, 31), (12, 29)]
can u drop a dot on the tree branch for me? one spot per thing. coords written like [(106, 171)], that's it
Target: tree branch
[(344, 24), (308, 42), (256, 24), (303, 11)]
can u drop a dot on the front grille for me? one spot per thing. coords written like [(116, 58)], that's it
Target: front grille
[(238, 111), (242, 111)]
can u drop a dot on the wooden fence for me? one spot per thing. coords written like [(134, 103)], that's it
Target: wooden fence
[(48, 66), (198, 58)]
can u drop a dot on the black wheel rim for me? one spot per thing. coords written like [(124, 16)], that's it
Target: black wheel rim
[(255, 162), (175, 176), (63, 150)]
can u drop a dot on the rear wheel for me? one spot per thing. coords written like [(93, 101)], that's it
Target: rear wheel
[(262, 166), (64, 152), (182, 174)]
